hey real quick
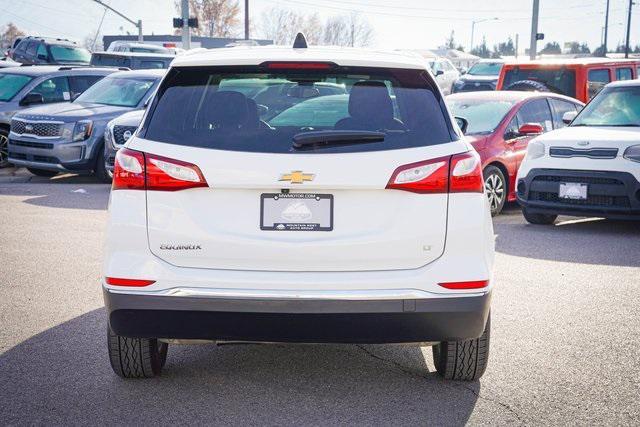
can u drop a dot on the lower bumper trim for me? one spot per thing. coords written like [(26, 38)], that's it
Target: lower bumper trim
[(324, 321)]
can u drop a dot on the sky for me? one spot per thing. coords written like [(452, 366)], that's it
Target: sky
[(410, 24)]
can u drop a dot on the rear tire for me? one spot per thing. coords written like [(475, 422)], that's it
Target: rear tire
[(136, 357), (539, 219), (42, 172), (463, 360), (495, 186)]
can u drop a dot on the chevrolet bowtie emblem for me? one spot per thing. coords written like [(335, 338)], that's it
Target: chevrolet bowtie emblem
[(297, 177)]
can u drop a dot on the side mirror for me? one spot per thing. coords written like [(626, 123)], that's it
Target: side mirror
[(568, 117), (463, 71), (439, 73), (530, 129), (42, 57), (262, 110), (32, 98), (462, 123)]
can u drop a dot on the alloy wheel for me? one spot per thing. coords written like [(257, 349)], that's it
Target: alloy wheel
[(494, 186)]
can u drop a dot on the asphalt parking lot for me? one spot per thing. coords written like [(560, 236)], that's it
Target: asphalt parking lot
[(565, 336)]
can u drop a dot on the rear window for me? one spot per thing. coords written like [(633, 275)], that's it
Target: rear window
[(65, 53), (11, 84), (257, 110), (110, 61), (558, 80)]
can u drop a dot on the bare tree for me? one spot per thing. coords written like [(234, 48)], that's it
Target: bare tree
[(93, 41), (9, 33), (352, 30), (282, 25), (216, 18)]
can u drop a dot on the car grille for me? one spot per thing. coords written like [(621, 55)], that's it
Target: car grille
[(40, 129), (593, 200), (119, 131), (472, 87), (31, 144), (594, 153)]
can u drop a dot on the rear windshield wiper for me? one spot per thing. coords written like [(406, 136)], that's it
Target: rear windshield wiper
[(327, 137)]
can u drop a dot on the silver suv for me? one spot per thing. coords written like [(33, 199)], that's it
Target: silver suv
[(23, 87)]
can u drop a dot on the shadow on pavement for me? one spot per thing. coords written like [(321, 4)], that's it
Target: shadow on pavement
[(579, 240), (62, 376), (70, 196)]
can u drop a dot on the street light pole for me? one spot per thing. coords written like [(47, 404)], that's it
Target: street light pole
[(627, 44), (137, 24), (186, 30), (606, 31), (534, 30), (473, 28), (246, 19)]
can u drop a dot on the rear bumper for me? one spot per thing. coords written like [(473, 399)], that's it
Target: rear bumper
[(610, 194), (298, 320)]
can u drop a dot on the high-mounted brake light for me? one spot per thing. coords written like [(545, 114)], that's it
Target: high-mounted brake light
[(299, 65), (461, 173), (117, 281), (134, 170), (476, 284)]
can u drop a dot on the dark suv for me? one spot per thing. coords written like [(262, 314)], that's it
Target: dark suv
[(24, 87), (132, 60), (46, 50)]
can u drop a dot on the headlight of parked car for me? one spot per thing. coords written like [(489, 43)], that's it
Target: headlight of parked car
[(632, 153), (82, 130), (535, 150)]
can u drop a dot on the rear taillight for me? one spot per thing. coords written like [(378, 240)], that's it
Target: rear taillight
[(431, 176), (476, 284), (134, 170), (461, 173), (466, 173), (118, 281), (128, 170)]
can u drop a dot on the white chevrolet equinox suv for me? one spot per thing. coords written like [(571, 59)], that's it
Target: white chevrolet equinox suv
[(310, 195)]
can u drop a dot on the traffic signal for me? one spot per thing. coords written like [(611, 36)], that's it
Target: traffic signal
[(179, 22)]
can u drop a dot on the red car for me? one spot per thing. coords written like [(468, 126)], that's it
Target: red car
[(500, 125)]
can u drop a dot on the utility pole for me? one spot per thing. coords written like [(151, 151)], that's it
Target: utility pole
[(186, 30), (606, 30), (137, 24), (627, 45), (534, 30), (246, 19)]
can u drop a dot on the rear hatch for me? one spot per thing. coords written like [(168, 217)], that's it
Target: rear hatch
[(322, 205)]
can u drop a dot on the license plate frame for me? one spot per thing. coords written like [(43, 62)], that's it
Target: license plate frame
[(272, 204), (573, 191)]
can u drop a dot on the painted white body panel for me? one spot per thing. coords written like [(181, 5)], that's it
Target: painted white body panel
[(597, 137), (468, 256), (374, 228)]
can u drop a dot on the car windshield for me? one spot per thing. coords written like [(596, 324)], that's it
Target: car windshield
[(483, 116), (486, 69), (11, 84), (117, 91), (62, 53), (259, 110), (558, 80), (616, 106)]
